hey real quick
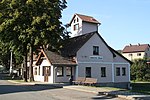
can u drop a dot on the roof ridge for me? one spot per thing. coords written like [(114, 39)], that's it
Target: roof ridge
[(84, 15)]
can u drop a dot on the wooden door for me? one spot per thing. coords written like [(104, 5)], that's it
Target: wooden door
[(46, 70)]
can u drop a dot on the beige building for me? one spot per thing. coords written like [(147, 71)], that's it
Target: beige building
[(139, 51), (84, 55)]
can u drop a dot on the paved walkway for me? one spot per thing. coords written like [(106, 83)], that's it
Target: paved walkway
[(98, 90), (108, 91)]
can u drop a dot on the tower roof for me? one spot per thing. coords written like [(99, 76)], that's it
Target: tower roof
[(85, 18)]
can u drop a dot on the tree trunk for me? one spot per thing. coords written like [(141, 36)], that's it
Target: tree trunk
[(31, 78), (25, 67)]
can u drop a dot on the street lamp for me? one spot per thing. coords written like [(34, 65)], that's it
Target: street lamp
[(10, 70)]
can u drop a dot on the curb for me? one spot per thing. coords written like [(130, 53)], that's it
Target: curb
[(34, 83), (80, 89), (119, 96), (21, 83)]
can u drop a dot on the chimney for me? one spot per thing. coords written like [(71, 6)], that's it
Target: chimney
[(130, 45), (138, 44)]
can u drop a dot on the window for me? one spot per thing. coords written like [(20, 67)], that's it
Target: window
[(60, 71), (77, 20), (103, 71), (138, 54), (74, 20), (123, 71), (88, 71), (117, 71), (35, 71), (95, 50), (39, 70), (130, 54), (68, 71), (76, 27)]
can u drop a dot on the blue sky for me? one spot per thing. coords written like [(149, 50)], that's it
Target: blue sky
[(123, 22)]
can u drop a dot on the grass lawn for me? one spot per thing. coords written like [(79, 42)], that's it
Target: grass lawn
[(143, 87)]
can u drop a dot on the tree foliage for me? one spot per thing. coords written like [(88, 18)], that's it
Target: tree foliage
[(28, 24), (140, 70)]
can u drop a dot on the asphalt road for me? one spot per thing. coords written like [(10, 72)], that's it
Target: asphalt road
[(10, 91)]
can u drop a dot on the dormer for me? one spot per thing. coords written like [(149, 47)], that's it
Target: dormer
[(81, 24)]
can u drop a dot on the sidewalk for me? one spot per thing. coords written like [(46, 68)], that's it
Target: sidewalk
[(110, 92), (121, 93)]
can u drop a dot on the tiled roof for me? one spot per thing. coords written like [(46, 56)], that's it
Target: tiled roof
[(57, 59), (86, 18), (72, 45), (135, 48)]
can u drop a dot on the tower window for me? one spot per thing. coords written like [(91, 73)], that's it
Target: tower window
[(76, 27), (77, 20)]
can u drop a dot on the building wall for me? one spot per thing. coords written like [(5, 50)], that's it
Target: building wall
[(132, 56), (96, 71), (84, 27), (147, 51), (106, 60), (64, 78), (39, 76), (89, 27), (74, 32), (122, 78), (85, 54)]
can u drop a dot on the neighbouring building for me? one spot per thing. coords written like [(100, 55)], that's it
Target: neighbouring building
[(138, 51), (84, 55)]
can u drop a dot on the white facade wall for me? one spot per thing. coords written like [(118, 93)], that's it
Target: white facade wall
[(132, 56), (64, 78), (84, 27), (76, 32), (86, 51), (122, 78), (89, 27), (108, 61), (41, 77)]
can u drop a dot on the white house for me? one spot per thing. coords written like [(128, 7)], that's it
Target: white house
[(85, 55), (81, 24), (138, 51)]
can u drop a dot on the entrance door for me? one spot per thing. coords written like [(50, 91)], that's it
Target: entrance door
[(46, 72)]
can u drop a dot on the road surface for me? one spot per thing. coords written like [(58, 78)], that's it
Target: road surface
[(10, 91)]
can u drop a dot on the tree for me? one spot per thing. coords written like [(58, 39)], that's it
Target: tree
[(140, 70), (30, 24)]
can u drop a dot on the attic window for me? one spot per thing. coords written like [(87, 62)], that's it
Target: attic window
[(76, 27), (95, 50), (77, 20), (74, 20)]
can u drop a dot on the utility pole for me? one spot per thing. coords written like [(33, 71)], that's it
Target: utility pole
[(11, 69)]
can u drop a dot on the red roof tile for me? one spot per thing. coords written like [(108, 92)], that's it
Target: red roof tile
[(135, 48), (86, 18)]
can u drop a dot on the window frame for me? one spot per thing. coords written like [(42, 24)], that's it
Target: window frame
[(103, 71), (62, 71), (95, 50), (76, 27), (123, 71), (117, 71), (86, 72), (70, 73)]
